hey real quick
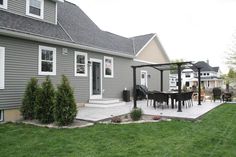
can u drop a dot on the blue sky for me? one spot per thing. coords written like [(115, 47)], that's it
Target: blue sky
[(192, 30)]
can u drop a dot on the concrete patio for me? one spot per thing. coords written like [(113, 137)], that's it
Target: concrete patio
[(95, 114)]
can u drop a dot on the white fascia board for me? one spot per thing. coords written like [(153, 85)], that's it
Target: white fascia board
[(62, 1), (139, 60), (33, 37)]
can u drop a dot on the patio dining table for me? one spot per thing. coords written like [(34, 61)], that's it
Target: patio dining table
[(174, 96)]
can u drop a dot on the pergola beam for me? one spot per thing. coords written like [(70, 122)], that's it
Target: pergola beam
[(161, 71), (179, 87), (199, 86), (134, 87)]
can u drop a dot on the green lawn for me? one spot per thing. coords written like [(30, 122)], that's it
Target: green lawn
[(213, 136)]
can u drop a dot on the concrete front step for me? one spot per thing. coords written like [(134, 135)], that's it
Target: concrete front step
[(103, 101), (106, 105)]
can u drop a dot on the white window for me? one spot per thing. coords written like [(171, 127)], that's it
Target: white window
[(47, 61), (108, 67), (187, 75), (3, 4), (2, 67), (81, 64), (35, 8), (1, 115)]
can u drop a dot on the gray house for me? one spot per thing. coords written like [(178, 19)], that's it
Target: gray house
[(53, 37)]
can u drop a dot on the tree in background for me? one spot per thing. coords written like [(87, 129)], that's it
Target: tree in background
[(231, 58), (229, 78), (29, 99), (45, 102), (174, 69), (65, 107)]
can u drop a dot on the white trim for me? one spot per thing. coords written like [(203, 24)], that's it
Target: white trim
[(33, 15), (86, 63), (91, 75), (139, 60), (146, 44), (2, 67), (40, 72), (62, 1), (1, 116), (146, 77), (112, 67), (35, 37), (5, 3)]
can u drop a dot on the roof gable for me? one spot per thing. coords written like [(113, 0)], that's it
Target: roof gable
[(152, 52)]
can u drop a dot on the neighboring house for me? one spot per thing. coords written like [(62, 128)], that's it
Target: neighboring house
[(210, 77), (173, 79), (53, 37)]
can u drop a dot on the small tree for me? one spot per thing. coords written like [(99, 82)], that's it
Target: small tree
[(45, 102), (65, 107), (29, 99)]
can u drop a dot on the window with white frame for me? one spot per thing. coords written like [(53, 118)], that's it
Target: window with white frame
[(2, 67), (35, 8), (108, 67), (47, 61), (1, 115), (187, 75), (81, 60), (3, 4)]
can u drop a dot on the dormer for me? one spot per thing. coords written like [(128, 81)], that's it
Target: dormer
[(44, 10)]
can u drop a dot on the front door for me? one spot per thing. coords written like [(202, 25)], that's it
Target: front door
[(144, 78), (96, 79)]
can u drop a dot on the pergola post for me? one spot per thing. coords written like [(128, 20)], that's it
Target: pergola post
[(134, 87), (199, 86), (161, 71), (179, 86)]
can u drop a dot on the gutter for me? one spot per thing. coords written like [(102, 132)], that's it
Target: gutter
[(33, 37)]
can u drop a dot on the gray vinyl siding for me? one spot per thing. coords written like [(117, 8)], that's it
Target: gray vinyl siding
[(154, 82), (19, 7), (50, 11), (21, 63)]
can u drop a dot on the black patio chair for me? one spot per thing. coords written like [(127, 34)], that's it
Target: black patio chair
[(141, 92), (227, 96), (217, 94), (185, 98), (189, 96), (151, 96), (161, 99)]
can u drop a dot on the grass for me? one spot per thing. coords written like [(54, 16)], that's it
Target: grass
[(213, 136)]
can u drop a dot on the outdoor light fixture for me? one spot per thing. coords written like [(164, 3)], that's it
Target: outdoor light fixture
[(89, 63), (64, 51)]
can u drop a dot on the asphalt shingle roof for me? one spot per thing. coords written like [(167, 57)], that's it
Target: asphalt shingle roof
[(28, 25), (73, 26), (206, 67), (84, 31)]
